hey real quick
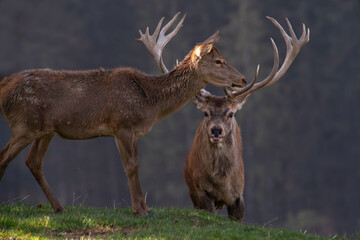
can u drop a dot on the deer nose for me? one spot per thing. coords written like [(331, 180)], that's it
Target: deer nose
[(240, 83), (216, 131)]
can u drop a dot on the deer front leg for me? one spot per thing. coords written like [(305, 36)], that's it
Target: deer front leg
[(127, 144), (206, 202), (236, 211)]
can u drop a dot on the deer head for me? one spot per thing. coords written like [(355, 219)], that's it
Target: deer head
[(210, 64), (219, 111), (204, 59), (219, 114)]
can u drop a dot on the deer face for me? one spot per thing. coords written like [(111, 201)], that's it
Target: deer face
[(219, 120), (218, 72), (212, 68)]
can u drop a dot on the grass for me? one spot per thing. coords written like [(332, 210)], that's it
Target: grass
[(20, 221)]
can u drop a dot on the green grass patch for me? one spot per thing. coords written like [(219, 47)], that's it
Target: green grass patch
[(19, 221)]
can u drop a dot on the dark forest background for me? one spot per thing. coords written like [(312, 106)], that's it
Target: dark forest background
[(301, 136)]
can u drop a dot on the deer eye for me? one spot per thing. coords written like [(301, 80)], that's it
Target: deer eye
[(231, 114), (206, 114), (218, 62)]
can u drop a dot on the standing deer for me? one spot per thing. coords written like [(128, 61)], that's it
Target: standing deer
[(123, 103), (214, 169)]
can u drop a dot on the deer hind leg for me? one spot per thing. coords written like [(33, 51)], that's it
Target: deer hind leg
[(236, 211), (126, 144), (34, 162), (11, 150)]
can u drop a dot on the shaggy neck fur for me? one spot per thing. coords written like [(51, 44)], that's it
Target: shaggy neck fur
[(219, 157), (176, 87)]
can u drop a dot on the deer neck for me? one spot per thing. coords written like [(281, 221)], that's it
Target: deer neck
[(218, 158), (177, 88)]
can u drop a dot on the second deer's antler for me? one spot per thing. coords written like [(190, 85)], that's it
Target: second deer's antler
[(293, 46)]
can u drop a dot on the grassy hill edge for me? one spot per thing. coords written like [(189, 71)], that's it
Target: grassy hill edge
[(20, 221)]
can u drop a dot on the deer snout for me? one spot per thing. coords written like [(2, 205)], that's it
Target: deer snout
[(216, 134), (241, 82), (216, 131)]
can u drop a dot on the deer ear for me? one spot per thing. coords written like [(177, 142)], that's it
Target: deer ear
[(205, 47), (209, 43), (213, 38)]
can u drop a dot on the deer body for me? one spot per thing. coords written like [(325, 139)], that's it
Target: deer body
[(222, 166), (123, 103), (214, 169), (88, 104)]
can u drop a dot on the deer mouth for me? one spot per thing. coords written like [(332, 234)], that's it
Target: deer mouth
[(215, 139), (233, 85), (236, 87)]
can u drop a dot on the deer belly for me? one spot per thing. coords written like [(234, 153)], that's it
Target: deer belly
[(76, 131)]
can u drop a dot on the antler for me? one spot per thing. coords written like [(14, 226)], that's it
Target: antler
[(156, 42), (293, 46)]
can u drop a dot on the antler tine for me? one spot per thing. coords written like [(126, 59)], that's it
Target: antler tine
[(156, 42), (167, 38), (305, 36), (273, 72), (291, 30), (157, 30)]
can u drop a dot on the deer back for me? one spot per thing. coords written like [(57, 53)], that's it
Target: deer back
[(70, 102)]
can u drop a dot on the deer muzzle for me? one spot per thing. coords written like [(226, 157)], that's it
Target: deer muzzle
[(216, 134)]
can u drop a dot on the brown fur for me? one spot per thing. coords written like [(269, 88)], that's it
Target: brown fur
[(214, 171), (123, 103)]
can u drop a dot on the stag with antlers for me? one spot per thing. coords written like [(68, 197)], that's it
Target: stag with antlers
[(214, 169), (123, 103)]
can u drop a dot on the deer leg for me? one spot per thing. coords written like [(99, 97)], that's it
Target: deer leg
[(11, 150), (193, 192), (206, 202), (34, 162), (195, 199), (127, 144), (236, 211)]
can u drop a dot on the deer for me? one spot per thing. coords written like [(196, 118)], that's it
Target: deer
[(123, 103), (214, 168)]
